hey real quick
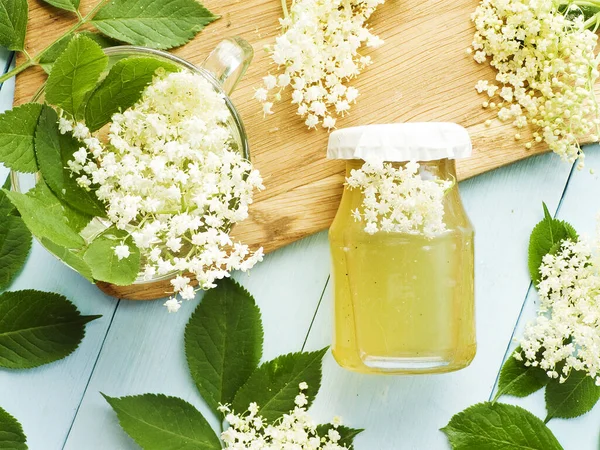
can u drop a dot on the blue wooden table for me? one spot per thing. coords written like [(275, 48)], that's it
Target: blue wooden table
[(136, 347)]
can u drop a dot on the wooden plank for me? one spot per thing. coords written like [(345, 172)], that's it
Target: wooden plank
[(503, 206), (422, 74), (144, 353), (582, 190)]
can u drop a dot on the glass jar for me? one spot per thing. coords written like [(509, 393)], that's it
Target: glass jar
[(404, 303)]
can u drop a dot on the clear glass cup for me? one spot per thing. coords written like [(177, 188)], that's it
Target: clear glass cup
[(404, 303), (223, 68)]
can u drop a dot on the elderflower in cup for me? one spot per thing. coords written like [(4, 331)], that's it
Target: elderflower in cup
[(402, 251)]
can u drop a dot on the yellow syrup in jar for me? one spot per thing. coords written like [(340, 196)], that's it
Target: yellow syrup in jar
[(404, 304)]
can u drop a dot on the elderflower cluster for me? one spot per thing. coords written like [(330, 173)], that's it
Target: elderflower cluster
[(399, 200), (566, 334), (318, 53), (171, 175), (546, 70), (294, 431)]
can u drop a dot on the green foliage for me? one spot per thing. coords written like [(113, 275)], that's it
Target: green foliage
[(497, 426), (158, 422), (72, 258), (153, 23), (49, 57), (223, 342), (274, 385), (13, 23), (17, 129), (53, 150), (47, 218), (544, 238), (105, 265), (576, 396), (38, 328), (122, 88), (75, 74), (15, 241), (519, 380), (347, 434), (11, 433), (69, 5)]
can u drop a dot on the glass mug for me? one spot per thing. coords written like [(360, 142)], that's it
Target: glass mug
[(404, 303), (223, 68)]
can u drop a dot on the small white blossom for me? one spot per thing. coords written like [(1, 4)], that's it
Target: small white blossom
[(122, 251)]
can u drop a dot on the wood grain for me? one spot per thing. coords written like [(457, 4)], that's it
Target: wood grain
[(422, 73)]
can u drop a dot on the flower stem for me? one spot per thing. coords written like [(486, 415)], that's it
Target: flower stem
[(33, 60), (286, 13)]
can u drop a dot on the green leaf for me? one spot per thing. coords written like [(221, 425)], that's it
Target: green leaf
[(347, 434), (53, 150), (573, 398), (71, 258), (11, 433), (544, 237), (122, 88), (6, 207), (519, 380), (75, 74), (47, 218), (13, 23), (158, 422), (49, 57), (38, 328), (17, 130), (275, 384), (153, 23), (15, 243), (69, 5), (105, 265), (497, 426), (223, 342)]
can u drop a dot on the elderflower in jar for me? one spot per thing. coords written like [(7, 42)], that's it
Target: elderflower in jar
[(402, 251)]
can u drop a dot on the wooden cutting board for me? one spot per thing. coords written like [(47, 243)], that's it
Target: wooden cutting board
[(422, 73)]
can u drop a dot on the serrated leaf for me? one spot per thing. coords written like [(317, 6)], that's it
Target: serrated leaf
[(11, 433), (13, 23), (275, 384), (38, 328), (49, 57), (544, 237), (519, 380), (106, 266), (69, 5), (47, 218), (72, 258), (122, 88), (573, 398), (158, 422), (347, 434), (15, 243), (153, 23), (75, 74), (497, 426), (223, 342), (53, 150), (6, 207), (17, 130)]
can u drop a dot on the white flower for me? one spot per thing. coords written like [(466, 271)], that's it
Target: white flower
[(546, 65), (122, 251), (171, 176), (317, 54), (399, 200)]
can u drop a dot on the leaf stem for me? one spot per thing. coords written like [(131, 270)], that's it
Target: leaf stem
[(33, 60)]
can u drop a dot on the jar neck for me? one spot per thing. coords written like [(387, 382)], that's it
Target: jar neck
[(444, 169)]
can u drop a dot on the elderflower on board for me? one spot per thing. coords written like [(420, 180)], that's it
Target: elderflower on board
[(567, 329), (170, 175), (319, 53), (399, 200), (546, 70), (295, 431)]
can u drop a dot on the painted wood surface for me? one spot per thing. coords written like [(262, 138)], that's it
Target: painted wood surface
[(413, 78), (138, 347)]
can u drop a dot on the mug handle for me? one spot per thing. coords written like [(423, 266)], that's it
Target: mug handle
[(229, 61)]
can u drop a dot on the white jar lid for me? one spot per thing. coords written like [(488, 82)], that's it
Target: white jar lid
[(396, 142)]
